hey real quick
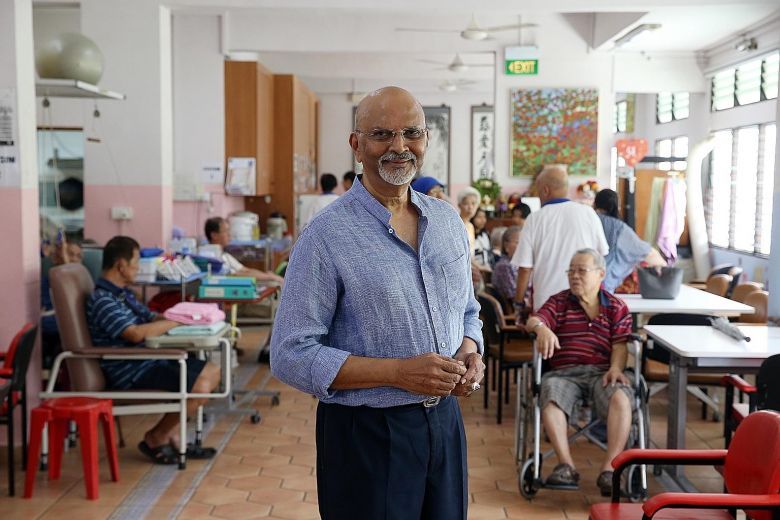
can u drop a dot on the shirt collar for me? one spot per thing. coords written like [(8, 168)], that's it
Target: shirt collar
[(603, 300), (102, 283), (556, 201), (375, 208)]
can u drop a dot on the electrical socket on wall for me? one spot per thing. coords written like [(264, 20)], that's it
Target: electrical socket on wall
[(121, 213)]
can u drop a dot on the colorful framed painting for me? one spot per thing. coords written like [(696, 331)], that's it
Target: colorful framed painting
[(482, 136), (554, 126)]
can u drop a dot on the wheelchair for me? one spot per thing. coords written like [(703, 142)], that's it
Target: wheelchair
[(529, 456)]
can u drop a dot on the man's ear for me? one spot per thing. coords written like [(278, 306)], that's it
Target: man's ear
[(353, 143)]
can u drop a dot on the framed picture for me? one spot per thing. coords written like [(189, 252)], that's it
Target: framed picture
[(482, 137), (437, 157), (554, 126)]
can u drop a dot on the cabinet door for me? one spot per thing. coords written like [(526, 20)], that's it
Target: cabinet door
[(265, 129)]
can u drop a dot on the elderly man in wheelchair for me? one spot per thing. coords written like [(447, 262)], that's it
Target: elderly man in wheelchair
[(583, 332)]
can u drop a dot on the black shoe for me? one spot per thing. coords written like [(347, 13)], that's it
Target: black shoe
[(563, 476)]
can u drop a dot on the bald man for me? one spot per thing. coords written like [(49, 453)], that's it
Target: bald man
[(378, 320), (551, 236)]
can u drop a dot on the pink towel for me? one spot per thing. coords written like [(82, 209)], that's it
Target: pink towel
[(189, 313)]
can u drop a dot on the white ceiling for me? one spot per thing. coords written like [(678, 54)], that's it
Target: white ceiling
[(346, 43)]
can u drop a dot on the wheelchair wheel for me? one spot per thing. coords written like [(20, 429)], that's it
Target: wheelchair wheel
[(633, 487), (526, 482)]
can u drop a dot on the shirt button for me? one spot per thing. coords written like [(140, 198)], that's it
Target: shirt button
[(390, 230), (433, 309), (443, 344)]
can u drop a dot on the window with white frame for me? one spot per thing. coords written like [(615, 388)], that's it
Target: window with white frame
[(739, 198), (749, 82), (671, 106), (672, 147)]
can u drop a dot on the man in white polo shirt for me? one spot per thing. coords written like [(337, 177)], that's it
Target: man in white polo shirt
[(551, 236)]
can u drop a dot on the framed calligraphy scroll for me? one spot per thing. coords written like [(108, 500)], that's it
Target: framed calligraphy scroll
[(482, 139)]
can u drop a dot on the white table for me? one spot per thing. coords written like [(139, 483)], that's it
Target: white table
[(690, 301), (705, 349)]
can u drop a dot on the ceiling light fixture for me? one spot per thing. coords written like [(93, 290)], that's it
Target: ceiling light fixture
[(746, 44), (636, 31)]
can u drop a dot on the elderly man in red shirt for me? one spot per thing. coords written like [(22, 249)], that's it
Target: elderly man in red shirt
[(583, 332)]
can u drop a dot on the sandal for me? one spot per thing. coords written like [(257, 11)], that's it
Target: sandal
[(604, 483), (199, 452), (563, 476), (164, 454)]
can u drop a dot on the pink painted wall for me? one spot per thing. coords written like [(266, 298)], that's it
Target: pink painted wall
[(20, 273), (190, 216), (152, 213)]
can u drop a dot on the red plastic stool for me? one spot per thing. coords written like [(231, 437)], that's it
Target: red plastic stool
[(85, 412)]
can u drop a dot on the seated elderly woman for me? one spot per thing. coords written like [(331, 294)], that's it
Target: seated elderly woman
[(583, 332), (504, 273)]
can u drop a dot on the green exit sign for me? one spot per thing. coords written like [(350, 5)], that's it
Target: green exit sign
[(522, 67)]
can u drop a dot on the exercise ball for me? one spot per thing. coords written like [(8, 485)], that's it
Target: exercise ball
[(70, 56)]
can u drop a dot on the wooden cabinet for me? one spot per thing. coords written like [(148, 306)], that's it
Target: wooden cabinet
[(249, 102), (294, 133)]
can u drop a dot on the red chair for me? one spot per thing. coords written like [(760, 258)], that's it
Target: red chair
[(57, 414), (751, 471), (16, 361), (765, 395)]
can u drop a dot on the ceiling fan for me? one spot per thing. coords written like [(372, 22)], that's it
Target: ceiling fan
[(454, 85), (473, 31), (457, 65)]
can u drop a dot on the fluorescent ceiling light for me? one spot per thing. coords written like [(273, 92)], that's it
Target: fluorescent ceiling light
[(636, 31)]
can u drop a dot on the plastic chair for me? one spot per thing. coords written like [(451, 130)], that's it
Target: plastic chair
[(508, 345), (719, 284), (759, 300), (751, 471), (764, 395), (57, 415), (742, 290), (16, 363), (506, 305)]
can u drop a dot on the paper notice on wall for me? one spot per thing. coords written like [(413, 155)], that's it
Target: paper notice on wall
[(9, 149), (240, 176)]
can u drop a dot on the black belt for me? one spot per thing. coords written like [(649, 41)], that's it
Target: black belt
[(431, 402)]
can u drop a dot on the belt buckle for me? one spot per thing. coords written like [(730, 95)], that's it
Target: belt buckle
[(431, 402)]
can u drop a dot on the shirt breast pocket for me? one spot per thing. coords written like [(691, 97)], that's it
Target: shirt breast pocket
[(457, 284)]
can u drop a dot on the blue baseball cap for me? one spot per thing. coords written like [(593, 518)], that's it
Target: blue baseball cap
[(425, 184)]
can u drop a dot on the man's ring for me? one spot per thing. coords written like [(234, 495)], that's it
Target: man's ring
[(474, 387)]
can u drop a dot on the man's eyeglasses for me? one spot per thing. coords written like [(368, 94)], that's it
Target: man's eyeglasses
[(582, 271), (383, 135)]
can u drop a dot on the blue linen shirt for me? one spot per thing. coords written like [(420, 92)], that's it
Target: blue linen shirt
[(110, 310), (626, 250), (354, 287)]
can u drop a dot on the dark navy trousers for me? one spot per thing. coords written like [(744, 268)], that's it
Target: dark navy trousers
[(400, 463)]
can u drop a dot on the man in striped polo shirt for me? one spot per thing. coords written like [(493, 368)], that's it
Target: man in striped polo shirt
[(117, 319), (583, 332)]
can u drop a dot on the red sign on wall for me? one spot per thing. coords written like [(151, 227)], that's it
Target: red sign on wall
[(632, 150)]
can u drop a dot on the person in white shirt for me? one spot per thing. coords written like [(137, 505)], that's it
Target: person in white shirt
[(328, 183), (217, 231), (551, 236)]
